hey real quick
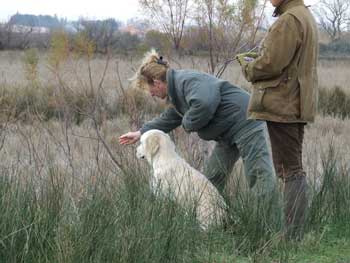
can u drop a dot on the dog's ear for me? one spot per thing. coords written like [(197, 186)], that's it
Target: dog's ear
[(152, 144)]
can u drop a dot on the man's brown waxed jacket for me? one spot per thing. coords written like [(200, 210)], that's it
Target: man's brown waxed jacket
[(284, 76)]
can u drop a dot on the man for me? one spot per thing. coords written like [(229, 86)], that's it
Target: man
[(284, 78), (216, 110)]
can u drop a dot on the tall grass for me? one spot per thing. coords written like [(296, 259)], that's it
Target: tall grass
[(112, 222), (66, 197), (118, 219), (334, 102), (28, 82), (50, 104), (331, 203)]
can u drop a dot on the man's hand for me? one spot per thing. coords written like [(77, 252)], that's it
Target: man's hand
[(129, 138), (245, 58), (251, 54)]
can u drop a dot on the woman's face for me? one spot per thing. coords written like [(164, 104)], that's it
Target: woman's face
[(159, 89)]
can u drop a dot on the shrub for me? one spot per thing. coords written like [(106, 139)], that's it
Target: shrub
[(334, 102), (30, 61), (340, 47)]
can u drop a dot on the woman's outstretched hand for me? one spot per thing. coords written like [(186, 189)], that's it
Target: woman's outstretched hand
[(129, 138)]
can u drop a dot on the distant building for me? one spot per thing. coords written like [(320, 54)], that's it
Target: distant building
[(34, 29), (132, 30)]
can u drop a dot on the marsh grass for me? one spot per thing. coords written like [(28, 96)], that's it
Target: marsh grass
[(330, 204), (334, 102), (64, 81), (70, 193), (120, 220), (110, 223), (53, 103)]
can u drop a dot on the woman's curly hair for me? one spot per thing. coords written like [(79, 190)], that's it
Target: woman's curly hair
[(152, 67)]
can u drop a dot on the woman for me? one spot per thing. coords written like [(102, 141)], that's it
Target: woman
[(216, 110)]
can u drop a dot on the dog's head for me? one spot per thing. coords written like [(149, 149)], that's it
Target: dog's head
[(152, 143)]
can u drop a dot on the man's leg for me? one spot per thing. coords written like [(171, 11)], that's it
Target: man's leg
[(220, 164), (286, 143)]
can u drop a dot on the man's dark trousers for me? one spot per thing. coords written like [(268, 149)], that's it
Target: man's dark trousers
[(286, 143)]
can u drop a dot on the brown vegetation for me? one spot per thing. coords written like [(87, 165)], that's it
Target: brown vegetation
[(62, 165), (72, 98)]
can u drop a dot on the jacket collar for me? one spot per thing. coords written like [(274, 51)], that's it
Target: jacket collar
[(286, 5), (171, 86)]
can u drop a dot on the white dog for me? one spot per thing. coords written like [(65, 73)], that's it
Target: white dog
[(174, 175)]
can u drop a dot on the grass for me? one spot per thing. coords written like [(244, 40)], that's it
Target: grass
[(331, 249), (117, 219), (55, 103), (29, 84), (70, 193), (334, 102)]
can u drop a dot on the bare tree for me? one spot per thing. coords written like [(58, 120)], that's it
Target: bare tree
[(230, 25), (93, 95), (170, 15), (101, 32), (334, 16)]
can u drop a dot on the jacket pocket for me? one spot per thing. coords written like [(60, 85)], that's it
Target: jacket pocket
[(259, 92), (255, 102)]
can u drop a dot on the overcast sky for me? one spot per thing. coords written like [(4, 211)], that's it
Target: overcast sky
[(73, 9)]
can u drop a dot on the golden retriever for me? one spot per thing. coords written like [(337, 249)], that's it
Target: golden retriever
[(173, 175)]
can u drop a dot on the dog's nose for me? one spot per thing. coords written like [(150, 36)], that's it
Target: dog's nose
[(140, 155)]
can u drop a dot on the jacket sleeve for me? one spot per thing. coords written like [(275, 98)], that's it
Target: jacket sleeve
[(166, 122), (278, 49), (203, 99)]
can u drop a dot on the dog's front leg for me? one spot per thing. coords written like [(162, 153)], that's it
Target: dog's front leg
[(155, 185)]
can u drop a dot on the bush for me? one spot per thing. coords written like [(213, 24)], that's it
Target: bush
[(340, 47), (334, 102), (157, 40), (25, 102), (75, 105), (30, 61)]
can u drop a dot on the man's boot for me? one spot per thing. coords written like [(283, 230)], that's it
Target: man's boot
[(296, 202)]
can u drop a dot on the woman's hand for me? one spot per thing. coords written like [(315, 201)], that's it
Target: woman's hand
[(129, 138)]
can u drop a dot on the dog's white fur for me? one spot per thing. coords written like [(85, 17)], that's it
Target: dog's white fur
[(174, 175)]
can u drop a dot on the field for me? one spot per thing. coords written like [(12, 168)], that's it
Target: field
[(70, 193)]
